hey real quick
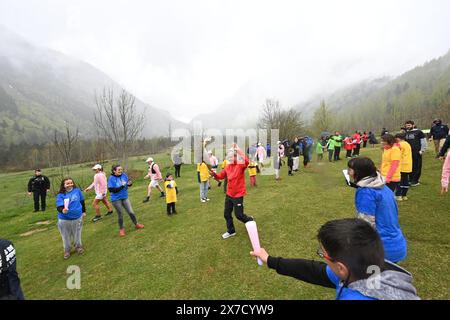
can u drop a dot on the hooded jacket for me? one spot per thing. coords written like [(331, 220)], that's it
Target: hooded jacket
[(376, 204), (392, 284)]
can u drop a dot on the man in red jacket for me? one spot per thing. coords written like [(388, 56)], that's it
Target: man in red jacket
[(235, 174)]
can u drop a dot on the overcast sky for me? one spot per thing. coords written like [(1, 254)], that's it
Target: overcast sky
[(190, 57)]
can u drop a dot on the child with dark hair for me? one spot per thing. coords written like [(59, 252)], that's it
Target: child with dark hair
[(71, 208), (353, 252), (170, 186), (376, 204)]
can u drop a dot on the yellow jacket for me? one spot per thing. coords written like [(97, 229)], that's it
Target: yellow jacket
[(202, 168), (171, 193)]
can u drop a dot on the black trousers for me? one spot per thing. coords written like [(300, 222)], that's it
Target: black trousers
[(417, 168), (177, 170), (171, 208), (393, 185), (337, 152), (238, 205), (404, 185), (349, 153), (365, 144), (356, 150), (42, 195)]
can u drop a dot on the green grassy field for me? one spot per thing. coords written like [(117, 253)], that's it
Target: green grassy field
[(184, 257)]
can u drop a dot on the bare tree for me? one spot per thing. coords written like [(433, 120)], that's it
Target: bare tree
[(322, 119), (65, 143), (288, 122), (118, 122)]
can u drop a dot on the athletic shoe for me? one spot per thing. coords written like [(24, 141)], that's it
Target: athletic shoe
[(66, 255), (207, 199), (203, 200), (415, 184), (35, 210), (108, 213), (146, 200), (139, 226), (122, 233), (399, 198), (226, 235), (405, 198), (96, 218), (162, 195)]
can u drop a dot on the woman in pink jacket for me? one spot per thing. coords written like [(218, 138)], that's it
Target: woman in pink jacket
[(100, 187)]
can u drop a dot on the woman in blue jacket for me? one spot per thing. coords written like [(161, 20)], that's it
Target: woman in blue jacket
[(376, 204), (118, 184)]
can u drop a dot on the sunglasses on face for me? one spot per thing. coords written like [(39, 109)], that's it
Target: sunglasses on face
[(323, 255)]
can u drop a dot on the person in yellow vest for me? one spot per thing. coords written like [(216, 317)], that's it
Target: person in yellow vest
[(390, 162), (405, 167), (170, 186), (252, 173), (222, 166), (203, 180)]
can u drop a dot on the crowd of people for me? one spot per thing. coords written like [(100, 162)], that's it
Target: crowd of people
[(348, 246)]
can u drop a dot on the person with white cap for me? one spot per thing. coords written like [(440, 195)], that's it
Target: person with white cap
[(260, 155), (154, 174), (100, 186), (278, 159)]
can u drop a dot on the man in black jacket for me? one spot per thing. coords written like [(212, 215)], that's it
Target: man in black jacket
[(9, 280), (438, 133), (416, 138), (39, 185)]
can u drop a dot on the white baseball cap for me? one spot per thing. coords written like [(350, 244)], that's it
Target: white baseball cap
[(149, 159), (97, 166)]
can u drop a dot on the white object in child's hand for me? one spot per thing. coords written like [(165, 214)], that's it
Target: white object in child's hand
[(347, 176), (66, 203), (254, 238)]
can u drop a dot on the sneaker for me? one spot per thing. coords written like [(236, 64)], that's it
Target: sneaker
[(162, 195), (146, 200), (415, 184), (35, 210), (80, 250), (108, 213), (66, 255), (226, 235), (122, 233), (139, 226), (207, 199), (398, 198), (203, 200), (96, 218), (405, 198)]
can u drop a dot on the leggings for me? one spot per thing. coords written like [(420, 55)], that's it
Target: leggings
[(119, 205)]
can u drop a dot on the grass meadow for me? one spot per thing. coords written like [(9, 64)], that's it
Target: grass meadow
[(184, 256)]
